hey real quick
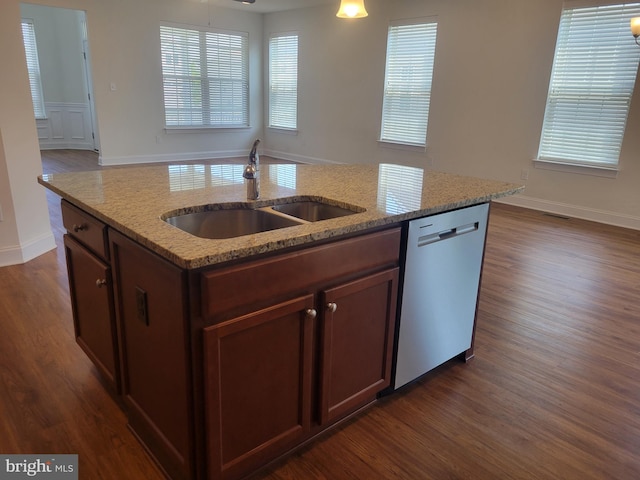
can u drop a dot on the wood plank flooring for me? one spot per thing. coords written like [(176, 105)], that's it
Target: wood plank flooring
[(553, 392)]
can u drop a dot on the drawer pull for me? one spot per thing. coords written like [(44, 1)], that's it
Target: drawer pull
[(100, 282), (310, 313), (332, 307), (79, 228)]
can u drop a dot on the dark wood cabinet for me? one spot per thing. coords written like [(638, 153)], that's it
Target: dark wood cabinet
[(258, 371), (151, 311), (93, 309), (225, 368), (295, 343), (357, 343), (91, 291)]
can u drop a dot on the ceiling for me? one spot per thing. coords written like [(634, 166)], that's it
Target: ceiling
[(267, 6)]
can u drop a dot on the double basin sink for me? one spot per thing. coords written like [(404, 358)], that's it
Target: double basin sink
[(220, 222)]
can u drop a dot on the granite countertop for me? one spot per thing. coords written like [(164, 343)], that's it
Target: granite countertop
[(135, 200)]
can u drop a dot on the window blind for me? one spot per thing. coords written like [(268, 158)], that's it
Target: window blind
[(33, 67), (283, 81), (205, 77), (592, 80), (408, 74)]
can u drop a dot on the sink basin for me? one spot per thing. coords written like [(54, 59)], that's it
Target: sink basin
[(312, 211), (245, 220), (229, 223)]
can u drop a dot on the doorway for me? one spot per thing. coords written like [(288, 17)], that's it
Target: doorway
[(64, 60)]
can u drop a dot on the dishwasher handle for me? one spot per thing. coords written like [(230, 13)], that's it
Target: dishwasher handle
[(447, 234)]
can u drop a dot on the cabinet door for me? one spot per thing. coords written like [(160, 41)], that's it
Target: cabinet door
[(257, 386), (357, 343), (92, 304)]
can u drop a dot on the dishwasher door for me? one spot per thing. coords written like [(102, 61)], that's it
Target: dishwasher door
[(441, 280)]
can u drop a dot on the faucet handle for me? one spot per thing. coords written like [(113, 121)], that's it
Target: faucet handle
[(253, 155)]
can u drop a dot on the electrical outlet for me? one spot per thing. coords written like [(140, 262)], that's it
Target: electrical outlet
[(524, 174)]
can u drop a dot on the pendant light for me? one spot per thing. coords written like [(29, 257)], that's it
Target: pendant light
[(635, 28), (352, 9)]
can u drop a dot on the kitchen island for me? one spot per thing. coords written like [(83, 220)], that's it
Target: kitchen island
[(228, 353)]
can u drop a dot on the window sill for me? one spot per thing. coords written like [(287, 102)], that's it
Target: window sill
[(606, 171), (286, 131), (204, 129), (409, 147)]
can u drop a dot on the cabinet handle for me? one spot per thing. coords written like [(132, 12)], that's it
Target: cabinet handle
[(310, 313), (79, 228), (332, 307), (100, 282)]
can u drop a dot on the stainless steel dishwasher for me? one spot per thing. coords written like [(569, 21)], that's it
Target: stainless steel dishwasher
[(444, 256)]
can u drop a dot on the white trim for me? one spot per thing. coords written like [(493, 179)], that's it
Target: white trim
[(170, 157), (68, 125), (409, 147), (299, 158), (574, 211), (582, 169), (283, 131), (170, 130), (19, 254)]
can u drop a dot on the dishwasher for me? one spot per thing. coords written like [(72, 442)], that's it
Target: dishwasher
[(444, 254)]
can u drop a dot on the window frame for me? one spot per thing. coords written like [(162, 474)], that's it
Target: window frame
[(33, 69), (399, 136), (207, 109), (284, 84), (564, 87)]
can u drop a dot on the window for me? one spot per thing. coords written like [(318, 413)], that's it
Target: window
[(29, 36), (594, 71), (407, 85), (205, 78), (283, 81)]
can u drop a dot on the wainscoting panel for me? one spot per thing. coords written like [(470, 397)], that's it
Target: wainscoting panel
[(68, 125)]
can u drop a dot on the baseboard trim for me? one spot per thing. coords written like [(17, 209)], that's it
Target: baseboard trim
[(170, 157), (574, 211), (194, 156), (53, 145), (19, 254), (299, 158)]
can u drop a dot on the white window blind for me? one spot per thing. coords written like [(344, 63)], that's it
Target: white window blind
[(283, 81), (407, 85), (205, 77), (29, 36), (594, 72)]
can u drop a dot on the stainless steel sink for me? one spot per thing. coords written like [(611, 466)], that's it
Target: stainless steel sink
[(229, 223), (245, 220), (312, 211)]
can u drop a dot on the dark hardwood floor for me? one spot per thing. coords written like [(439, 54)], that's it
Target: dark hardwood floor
[(553, 392)]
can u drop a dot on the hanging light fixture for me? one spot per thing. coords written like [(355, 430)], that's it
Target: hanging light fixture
[(352, 9), (635, 28)]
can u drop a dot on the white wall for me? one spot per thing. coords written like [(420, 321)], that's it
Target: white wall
[(125, 48), (492, 68), (24, 230)]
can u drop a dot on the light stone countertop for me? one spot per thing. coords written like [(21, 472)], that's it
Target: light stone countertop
[(134, 201)]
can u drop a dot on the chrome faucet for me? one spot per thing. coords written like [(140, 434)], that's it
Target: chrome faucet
[(252, 173)]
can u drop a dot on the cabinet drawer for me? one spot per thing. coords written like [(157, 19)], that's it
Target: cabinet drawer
[(85, 228), (261, 281)]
